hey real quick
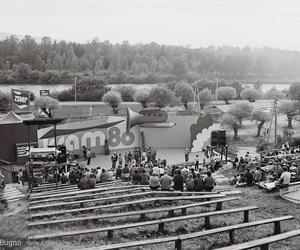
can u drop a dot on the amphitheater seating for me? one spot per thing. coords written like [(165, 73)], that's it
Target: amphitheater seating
[(179, 239), (142, 213), (160, 222), (117, 194)]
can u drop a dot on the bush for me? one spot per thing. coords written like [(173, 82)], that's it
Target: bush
[(251, 94), (226, 94), (113, 98), (142, 96), (185, 91), (240, 111), (205, 96), (160, 96), (294, 91), (127, 92)]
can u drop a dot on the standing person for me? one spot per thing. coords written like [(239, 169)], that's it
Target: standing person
[(197, 163), (257, 175), (84, 149), (166, 182), (120, 159), (209, 182), (114, 159), (88, 156), (186, 154), (178, 181)]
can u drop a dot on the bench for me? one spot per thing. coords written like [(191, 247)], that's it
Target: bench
[(179, 239), (75, 192), (120, 197), (142, 213), (114, 205), (73, 188), (159, 222), (88, 195), (264, 242)]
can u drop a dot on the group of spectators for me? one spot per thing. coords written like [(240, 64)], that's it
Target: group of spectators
[(276, 167)]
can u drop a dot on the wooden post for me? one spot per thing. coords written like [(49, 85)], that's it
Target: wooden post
[(110, 233), (277, 227), (219, 206), (264, 247), (246, 216), (171, 213), (178, 244), (231, 236), (207, 222), (161, 227)]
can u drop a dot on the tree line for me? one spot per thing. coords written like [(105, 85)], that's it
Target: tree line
[(58, 62)]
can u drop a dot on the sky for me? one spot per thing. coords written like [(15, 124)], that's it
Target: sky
[(194, 23)]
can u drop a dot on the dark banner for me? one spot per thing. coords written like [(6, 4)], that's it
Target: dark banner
[(20, 100), (44, 92)]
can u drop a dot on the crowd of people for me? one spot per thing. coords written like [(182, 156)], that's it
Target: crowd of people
[(141, 168), (276, 167)]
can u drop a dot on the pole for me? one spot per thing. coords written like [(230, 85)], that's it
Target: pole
[(55, 155), (75, 83), (217, 86), (275, 113)]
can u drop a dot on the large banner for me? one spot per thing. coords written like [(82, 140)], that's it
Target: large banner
[(116, 136), (20, 100)]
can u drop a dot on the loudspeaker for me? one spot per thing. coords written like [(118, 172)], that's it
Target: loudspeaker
[(218, 138)]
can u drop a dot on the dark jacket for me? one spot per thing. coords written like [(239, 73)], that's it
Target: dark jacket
[(178, 182)]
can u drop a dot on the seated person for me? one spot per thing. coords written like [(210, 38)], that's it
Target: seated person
[(234, 180), (166, 182), (284, 180), (178, 180), (144, 178), (154, 181), (209, 182), (198, 183), (126, 172), (110, 175), (190, 185), (83, 183), (103, 176), (119, 172), (91, 181), (248, 177), (136, 178), (63, 178)]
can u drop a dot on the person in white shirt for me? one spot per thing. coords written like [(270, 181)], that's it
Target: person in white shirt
[(284, 180)]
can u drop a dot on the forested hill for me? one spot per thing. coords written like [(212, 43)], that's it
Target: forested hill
[(52, 62)]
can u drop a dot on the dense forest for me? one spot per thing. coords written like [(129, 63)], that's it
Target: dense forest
[(55, 62)]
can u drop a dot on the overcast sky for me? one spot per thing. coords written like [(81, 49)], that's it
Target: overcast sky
[(197, 23)]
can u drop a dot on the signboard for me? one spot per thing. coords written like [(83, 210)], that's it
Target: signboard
[(44, 92), (22, 150), (20, 100)]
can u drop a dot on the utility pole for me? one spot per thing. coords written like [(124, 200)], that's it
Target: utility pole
[(75, 83), (275, 114)]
